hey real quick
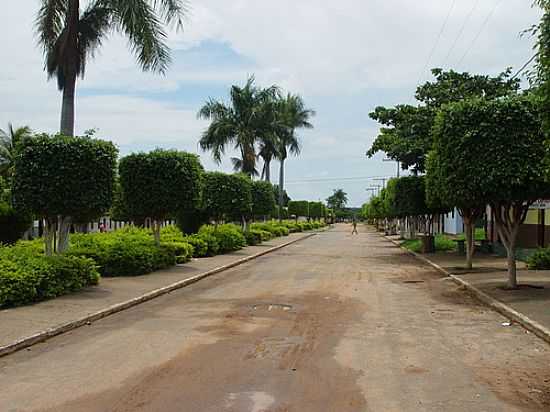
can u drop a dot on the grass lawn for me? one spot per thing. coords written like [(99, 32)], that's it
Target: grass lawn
[(442, 244)]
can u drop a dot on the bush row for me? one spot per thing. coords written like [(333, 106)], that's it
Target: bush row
[(27, 276)]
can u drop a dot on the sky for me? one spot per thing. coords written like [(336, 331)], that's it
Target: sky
[(345, 58)]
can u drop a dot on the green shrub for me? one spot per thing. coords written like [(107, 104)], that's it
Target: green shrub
[(253, 237), (126, 252), (200, 245), (275, 229), (540, 260), (182, 250), (230, 237), (27, 277)]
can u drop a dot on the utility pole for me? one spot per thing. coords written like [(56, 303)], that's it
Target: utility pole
[(398, 165), (383, 180)]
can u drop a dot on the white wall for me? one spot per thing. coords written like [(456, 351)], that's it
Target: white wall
[(454, 224)]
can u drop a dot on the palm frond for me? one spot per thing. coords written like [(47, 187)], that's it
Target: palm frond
[(93, 27)]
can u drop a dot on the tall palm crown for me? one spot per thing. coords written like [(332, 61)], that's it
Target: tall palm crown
[(242, 123), (70, 37), (9, 141), (293, 115)]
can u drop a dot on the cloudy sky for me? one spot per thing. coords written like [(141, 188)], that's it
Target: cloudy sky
[(345, 57)]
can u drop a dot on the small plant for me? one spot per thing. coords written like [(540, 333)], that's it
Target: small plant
[(540, 260)]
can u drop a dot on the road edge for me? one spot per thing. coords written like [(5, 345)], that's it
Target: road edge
[(527, 323), (46, 334)]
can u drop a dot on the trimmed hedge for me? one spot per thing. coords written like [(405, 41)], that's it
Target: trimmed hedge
[(229, 236), (12, 224), (127, 252), (27, 277)]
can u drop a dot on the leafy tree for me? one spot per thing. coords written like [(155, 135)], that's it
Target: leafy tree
[(227, 196), (292, 114), (13, 223), (316, 210), (543, 62), (247, 118), (60, 179), (263, 199), (492, 152), (406, 135), (160, 184), (286, 197), (9, 142), (298, 208), (71, 36), (338, 200)]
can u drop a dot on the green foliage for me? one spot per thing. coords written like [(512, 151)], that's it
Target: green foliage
[(126, 252), (489, 151), (227, 196), (410, 197), (298, 208), (543, 63), (250, 114), (286, 197), (442, 244), (230, 237), (406, 132), (12, 224), (316, 210), (160, 183), (263, 199), (540, 260), (201, 246), (64, 176), (254, 237), (27, 276), (338, 200), (274, 228), (405, 136)]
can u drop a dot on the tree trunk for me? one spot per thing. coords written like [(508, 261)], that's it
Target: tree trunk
[(49, 232), (268, 171), (281, 188), (508, 219), (156, 231), (64, 227), (67, 106), (469, 223)]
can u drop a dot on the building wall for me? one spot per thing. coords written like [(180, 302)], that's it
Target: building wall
[(453, 223), (535, 232)]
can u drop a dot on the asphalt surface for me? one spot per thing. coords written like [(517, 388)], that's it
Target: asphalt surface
[(334, 323)]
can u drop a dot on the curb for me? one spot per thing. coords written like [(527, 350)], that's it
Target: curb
[(505, 310), (119, 307)]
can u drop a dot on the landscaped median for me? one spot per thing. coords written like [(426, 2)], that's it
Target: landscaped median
[(25, 325), (527, 306)]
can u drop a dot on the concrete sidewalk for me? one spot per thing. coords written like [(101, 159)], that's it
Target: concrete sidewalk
[(489, 275), (21, 322)]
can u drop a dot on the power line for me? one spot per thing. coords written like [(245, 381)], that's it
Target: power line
[(337, 179), (524, 67), (438, 39), (484, 24), (461, 31)]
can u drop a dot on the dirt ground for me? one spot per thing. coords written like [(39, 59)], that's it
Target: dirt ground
[(334, 323)]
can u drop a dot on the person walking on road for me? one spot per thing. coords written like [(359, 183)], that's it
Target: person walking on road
[(354, 223)]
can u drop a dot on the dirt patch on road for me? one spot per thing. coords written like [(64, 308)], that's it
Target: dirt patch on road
[(272, 354)]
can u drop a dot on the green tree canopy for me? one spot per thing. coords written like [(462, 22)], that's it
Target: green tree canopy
[(227, 196), (338, 200), (61, 179), (491, 152), (160, 184), (263, 198), (298, 208), (406, 132), (316, 210)]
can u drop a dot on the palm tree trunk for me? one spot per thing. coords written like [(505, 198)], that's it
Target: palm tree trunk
[(267, 167), (281, 188), (67, 106)]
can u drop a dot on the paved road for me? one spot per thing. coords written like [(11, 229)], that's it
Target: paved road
[(334, 323)]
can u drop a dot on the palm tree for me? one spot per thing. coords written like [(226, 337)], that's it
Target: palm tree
[(293, 115), (338, 200), (70, 37), (267, 152), (9, 141), (241, 124)]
